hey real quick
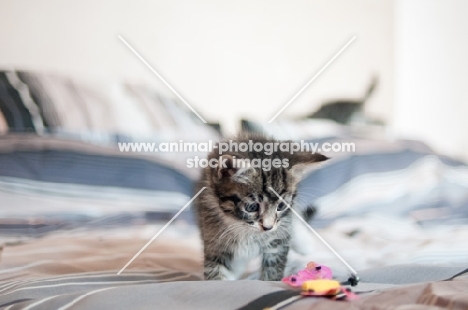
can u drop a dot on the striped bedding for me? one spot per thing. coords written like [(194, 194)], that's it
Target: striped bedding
[(79, 271), (391, 203), (399, 196), (394, 179), (49, 183), (102, 112)]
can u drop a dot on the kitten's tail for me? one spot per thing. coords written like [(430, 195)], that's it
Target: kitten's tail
[(370, 89), (309, 213)]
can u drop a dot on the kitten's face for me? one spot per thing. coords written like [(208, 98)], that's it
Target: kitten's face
[(245, 192), (254, 203)]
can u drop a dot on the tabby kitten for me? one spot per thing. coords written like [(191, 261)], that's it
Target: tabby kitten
[(346, 111), (240, 217)]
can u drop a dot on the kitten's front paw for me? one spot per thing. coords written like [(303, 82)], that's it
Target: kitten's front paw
[(213, 275), (214, 271), (271, 274)]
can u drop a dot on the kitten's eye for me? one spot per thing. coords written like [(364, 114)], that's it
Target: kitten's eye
[(252, 207), (281, 206)]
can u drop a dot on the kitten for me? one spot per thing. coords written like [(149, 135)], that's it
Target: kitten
[(240, 217), (346, 111)]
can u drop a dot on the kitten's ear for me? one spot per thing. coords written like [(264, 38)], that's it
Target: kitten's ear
[(303, 162), (235, 169)]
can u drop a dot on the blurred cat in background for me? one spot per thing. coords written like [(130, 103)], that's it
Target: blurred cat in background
[(345, 111)]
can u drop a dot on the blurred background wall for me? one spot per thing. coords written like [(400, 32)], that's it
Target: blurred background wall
[(431, 79), (228, 59), (248, 58)]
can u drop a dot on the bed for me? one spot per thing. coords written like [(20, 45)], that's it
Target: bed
[(74, 210)]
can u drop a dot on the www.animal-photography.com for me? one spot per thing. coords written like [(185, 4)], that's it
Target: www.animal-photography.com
[(236, 155)]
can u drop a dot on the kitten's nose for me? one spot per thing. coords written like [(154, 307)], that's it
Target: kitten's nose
[(266, 228)]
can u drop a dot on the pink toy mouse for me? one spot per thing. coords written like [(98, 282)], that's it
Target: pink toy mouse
[(312, 271)]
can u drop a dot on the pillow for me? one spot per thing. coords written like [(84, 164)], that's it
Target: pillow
[(45, 103), (16, 106)]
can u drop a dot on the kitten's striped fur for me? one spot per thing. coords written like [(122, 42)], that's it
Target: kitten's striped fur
[(231, 235)]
